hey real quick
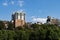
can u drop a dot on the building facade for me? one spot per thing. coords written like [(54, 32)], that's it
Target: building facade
[(53, 21), (18, 18)]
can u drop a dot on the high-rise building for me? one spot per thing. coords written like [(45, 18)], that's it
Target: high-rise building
[(18, 18)]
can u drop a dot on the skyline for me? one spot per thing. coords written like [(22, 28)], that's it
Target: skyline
[(36, 10)]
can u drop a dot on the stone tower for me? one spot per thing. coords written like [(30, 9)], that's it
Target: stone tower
[(18, 18)]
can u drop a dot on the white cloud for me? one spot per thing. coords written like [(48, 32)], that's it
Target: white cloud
[(21, 3), (12, 2), (5, 4), (42, 20)]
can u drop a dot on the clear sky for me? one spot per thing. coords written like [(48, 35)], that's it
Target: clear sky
[(33, 8)]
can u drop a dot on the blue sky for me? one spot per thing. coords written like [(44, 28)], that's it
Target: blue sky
[(33, 8)]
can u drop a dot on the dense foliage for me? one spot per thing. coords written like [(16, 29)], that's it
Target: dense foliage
[(35, 32)]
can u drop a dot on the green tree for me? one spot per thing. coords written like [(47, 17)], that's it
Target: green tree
[(10, 26), (2, 26)]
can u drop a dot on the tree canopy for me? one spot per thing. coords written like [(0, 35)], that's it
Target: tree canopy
[(35, 32)]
